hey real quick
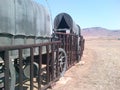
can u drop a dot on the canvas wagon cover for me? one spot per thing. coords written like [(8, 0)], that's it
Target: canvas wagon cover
[(63, 21)]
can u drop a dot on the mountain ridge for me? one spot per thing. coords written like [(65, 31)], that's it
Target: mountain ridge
[(100, 32)]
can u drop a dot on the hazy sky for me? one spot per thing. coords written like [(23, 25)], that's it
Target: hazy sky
[(88, 13)]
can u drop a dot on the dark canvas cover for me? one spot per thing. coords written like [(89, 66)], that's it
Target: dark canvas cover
[(63, 21)]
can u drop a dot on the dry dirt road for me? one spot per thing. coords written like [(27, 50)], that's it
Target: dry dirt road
[(98, 70)]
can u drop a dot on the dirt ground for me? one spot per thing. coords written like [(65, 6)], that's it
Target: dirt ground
[(98, 70)]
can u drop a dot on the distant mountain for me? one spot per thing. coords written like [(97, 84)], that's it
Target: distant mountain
[(100, 32)]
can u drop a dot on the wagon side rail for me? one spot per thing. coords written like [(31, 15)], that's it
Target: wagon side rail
[(8, 77), (70, 44)]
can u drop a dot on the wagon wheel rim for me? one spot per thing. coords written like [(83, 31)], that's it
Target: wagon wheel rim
[(62, 63), (61, 59)]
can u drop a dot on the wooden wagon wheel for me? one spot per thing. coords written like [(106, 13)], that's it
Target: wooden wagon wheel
[(62, 62), (26, 70)]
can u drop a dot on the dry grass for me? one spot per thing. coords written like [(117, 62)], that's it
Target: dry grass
[(100, 70)]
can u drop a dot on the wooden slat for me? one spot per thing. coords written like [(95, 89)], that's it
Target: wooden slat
[(40, 65), (48, 73), (6, 58), (20, 70), (31, 68)]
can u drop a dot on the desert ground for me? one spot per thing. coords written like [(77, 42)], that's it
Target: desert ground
[(99, 68)]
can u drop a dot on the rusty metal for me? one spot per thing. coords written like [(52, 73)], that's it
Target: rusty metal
[(5, 50), (20, 70), (57, 74), (47, 49), (40, 67), (6, 58), (66, 41), (31, 67), (69, 44), (52, 64)]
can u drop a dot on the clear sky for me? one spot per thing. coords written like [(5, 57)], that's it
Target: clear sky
[(88, 13)]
